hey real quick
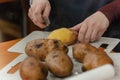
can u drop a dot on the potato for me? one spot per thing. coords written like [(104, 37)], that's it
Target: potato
[(59, 63), (94, 60), (81, 49), (65, 35), (32, 69), (90, 56), (41, 47)]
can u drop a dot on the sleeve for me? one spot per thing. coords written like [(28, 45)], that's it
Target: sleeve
[(111, 10)]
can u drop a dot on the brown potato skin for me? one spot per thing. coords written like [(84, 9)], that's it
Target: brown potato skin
[(41, 47), (59, 63), (90, 56), (81, 49), (32, 69), (94, 60)]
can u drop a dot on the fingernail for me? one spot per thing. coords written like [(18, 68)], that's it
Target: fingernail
[(46, 21)]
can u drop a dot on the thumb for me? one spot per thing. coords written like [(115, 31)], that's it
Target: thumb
[(46, 15), (46, 11), (76, 27)]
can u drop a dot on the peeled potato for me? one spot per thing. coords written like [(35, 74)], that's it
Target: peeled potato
[(64, 34), (59, 63), (32, 69)]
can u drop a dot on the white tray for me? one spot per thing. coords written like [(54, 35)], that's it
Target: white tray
[(95, 74)]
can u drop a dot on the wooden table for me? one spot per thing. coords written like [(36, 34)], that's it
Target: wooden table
[(5, 56)]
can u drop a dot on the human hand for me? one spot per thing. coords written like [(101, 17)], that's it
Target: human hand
[(92, 28), (39, 12)]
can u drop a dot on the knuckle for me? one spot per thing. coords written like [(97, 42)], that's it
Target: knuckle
[(81, 32), (36, 13)]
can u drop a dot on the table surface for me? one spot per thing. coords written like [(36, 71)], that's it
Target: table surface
[(5, 56)]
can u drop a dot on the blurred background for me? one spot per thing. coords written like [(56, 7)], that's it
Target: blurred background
[(14, 21)]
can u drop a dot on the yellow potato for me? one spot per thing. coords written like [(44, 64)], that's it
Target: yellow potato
[(64, 34)]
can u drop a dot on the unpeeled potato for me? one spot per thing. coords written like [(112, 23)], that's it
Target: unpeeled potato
[(59, 63), (93, 60), (80, 50), (32, 69), (41, 47), (90, 56)]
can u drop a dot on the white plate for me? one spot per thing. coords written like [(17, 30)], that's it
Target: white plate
[(77, 72), (20, 46)]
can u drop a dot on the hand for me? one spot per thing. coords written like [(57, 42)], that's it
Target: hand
[(92, 28), (39, 12)]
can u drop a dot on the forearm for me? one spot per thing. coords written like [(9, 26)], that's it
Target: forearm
[(112, 10)]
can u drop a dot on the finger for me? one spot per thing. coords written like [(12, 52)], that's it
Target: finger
[(76, 27), (30, 13), (97, 37), (45, 16), (93, 35), (100, 33), (82, 32), (46, 11), (37, 18), (46, 21), (88, 34), (34, 16)]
